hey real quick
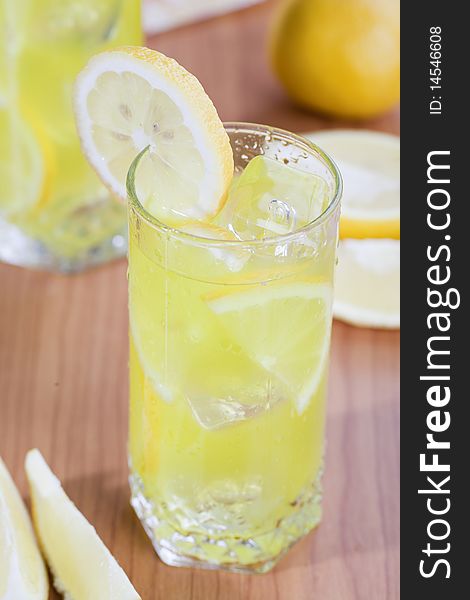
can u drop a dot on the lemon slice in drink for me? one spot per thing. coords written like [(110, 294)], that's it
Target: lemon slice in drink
[(131, 98), (285, 328), (22, 571), (81, 564), (369, 162), (367, 283), (26, 164)]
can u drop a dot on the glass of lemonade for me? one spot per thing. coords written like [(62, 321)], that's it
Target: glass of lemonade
[(54, 212), (229, 344)]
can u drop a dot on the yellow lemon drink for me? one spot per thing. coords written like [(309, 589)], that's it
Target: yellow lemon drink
[(232, 239), (54, 211), (229, 340)]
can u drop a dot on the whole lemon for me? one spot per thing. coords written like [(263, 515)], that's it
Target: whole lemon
[(340, 57)]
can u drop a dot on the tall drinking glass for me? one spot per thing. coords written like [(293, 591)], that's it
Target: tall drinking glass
[(229, 344), (54, 212)]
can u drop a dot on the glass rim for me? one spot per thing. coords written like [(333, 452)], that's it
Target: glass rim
[(281, 238)]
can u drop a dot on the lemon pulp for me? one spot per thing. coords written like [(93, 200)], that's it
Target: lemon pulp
[(367, 283), (369, 162)]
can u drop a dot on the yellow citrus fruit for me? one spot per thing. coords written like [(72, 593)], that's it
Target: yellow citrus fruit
[(297, 360), (367, 283), (81, 564), (131, 98), (22, 570), (340, 57), (369, 162)]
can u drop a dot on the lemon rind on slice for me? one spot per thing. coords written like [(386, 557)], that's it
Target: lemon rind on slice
[(78, 540), (199, 115), (26, 576), (362, 229)]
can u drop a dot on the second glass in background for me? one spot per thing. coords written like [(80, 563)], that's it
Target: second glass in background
[(54, 212)]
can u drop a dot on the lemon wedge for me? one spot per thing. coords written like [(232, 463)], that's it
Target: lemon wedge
[(26, 164), (296, 350), (370, 165), (131, 98), (367, 283), (81, 564), (22, 571)]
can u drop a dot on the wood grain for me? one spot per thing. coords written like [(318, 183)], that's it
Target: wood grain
[(63, 384)]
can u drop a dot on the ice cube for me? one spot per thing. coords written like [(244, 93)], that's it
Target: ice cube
[(213, 413), (270, 198), (217, 411), (233, 258)]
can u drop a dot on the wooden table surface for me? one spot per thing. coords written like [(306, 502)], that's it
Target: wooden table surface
[(63, 384)]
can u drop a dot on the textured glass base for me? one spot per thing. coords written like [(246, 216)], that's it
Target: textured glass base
[(16, 248), (190, 548)]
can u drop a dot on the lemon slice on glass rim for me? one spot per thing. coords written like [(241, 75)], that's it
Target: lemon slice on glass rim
[(130, 98), (369, 162)]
